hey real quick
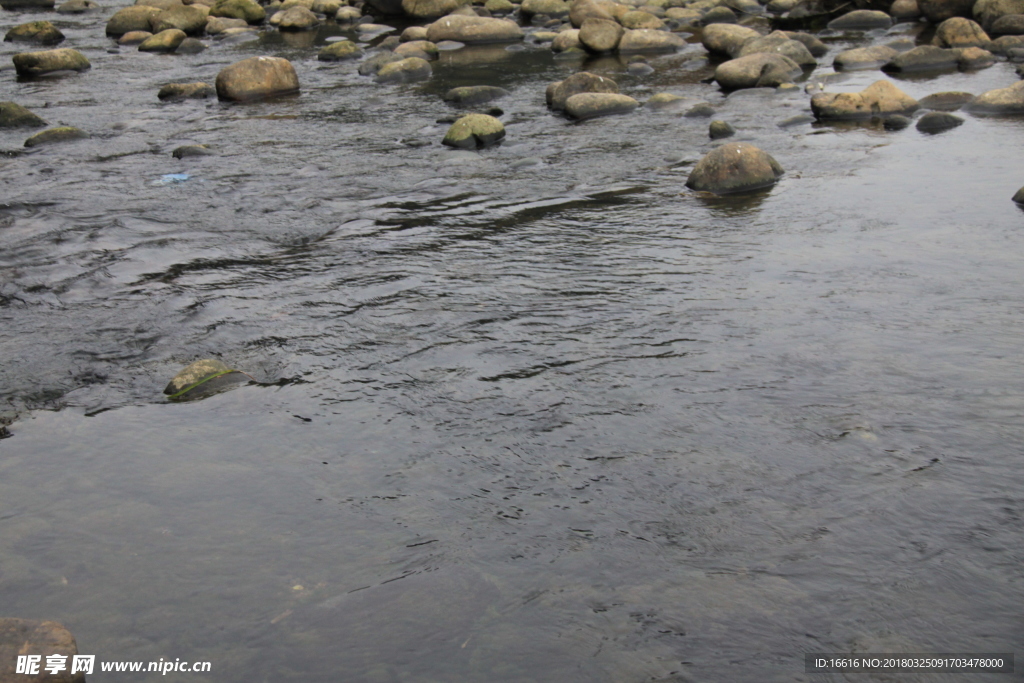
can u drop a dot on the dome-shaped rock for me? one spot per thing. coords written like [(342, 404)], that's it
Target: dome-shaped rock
[(51, 135), (257, 78), (473, 30), (38, 32), (584, 81), (474, 130), (756, 70), (590, 105), (16, 116), (48, 61), (734, 167)]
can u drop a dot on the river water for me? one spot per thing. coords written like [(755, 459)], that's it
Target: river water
[(535, 413)]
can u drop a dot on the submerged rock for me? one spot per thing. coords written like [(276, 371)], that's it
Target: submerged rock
[(61, 134), (473, 131), (20, 637), (734, 167), (1001, 101), (881, 98), (1019, 196), (201, 379), (937, 122), (183, 91), (662, 100), (48, 61), (16, 116), (257, 78), (474, 94), (557, 93), (700, 110), (38, 32), (896, 122), (591, 105)]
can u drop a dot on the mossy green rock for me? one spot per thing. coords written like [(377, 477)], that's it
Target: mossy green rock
[(134, 18), (48, 61), (239, 9), (1019, 197), (16, 116), (734, 167), (663, 99), (165, 41), (474, 130), (201, 379), (51, 135), (341, 50), (38, 32)]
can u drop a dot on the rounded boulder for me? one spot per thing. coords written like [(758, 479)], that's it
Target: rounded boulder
[(473, 131), (734, 167), (257, 78)]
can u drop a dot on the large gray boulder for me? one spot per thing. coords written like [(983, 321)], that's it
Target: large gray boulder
[(474, 30), (881, 98), (734, 167), (48, 61), (756, 70), (257, 78)]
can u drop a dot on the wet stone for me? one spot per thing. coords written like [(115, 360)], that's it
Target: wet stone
[(191, 151), (257, 78), (339, 51), (922, 58), (718, 15), (53, 135), (134, 38), (1019, 196), (720, 129), (861, 20), (38, 32), (872, 57), (881, 98), (190, 46), (473, 131), (408, 70), (1001, 101), (798, 120), (583, 82), (19, 637), (14, 115), (77, 7), (938, 122), (945, 101), (593, 105), (896, 122), (165, 41), (201, 378), (48, 61), (1009, 25), (135, 18), (474, 94), (700, 110), (734, 167), (662, 100), (182, 91)]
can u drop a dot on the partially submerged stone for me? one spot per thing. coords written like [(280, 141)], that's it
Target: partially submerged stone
[(662, 100), (431, 9), (600, 35), (872, 57), (257, 78), (861, 20), (649, 40), (406, 70), (474, 30), (134, 37), (186, 151), (16, 116), (945, 101), (1019, 196), (201, 379), (339, 50), (937, 122), (473, 131), (38, 32), (77, 7), (959, 32), (922, 58), (52, 135), (757, 70), (1001, 101), (720, 129), (557, 93), (187, 18), (592, 105), (424, 49), (134, 18), (474, 94), (881, 98), (165, 41), (734, 167), (779, 43), (726, 39), (239, 9), (973, 58), (296, 18), (21, 637), (182, 91), (48, 61)]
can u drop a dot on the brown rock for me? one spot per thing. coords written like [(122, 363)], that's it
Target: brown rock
[(959, 32), (474, 30), (756, 70), (726, 39), (600, 35), (582, 82), (1002, 101), (25, 637), (734, 167), (257, 78), (878, 99)]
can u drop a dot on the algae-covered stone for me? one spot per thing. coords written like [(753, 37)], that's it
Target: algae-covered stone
[(945, 101), (42, 639), (779, 43), (38, 32), (165, 41), (183, 91), (474, 130), (186, 151), (47, 61), (202, 378), (474, 94), (296, 18), (734, 167), (51, 135), (720, 129), (134, 18), (881, 98), (424, 49), (551, 8), (257, 78), (16, 116), (77, 7), (406, 70), (701, 110), (239, 9), (215, 25), (339, 51), (1019, 196), (591, 105), (937, 122)]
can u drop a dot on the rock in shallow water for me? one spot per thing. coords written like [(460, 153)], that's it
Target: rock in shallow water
[(1001, 101), (878, 99), (557, 93), (861, 20), (201, 379), (48, 61), (473, 131), (591, 105), (38, 32), (39, 638), (922, 58), (51, 135), (757, 70), (16, 116), (407, 70), (720, 129), (165, 41), (473, 30), (937, 122), (734, 167), (339, 51), (474, 94), (257, 78), (181, 91), (186, 151)]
